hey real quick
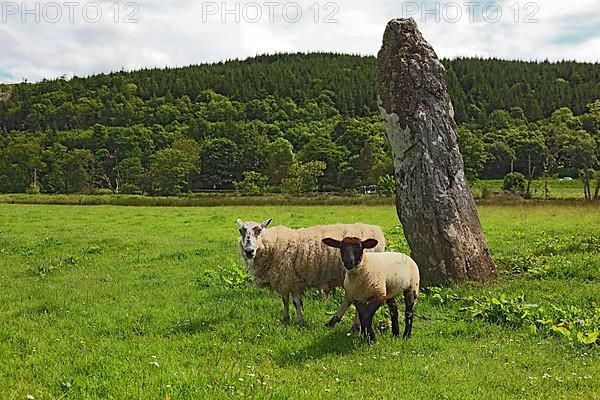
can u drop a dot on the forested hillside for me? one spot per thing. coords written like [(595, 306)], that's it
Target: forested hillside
[(290, 122)]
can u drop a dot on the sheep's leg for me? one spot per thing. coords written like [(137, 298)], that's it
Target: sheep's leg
[(366, 313), (372, 308), (394, 314), (286, 306), (356, 324), (362, 313), (297, 299), (340, 313), (410, 298)]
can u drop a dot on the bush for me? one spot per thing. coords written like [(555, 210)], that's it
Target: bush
[(486, 193), (387, 185), (253, 184), (567, 172), (103, 191), (515, 182), (34, 188), (303, 177), (130, 188)]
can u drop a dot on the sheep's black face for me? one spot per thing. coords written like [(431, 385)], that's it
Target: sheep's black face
[(351, 254), (351, 249), (250, 237)]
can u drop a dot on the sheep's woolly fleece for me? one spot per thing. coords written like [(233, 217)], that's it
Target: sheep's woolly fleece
[(382, 275), (291, 260)]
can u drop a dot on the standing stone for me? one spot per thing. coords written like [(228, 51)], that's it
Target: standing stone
[(433, 200)]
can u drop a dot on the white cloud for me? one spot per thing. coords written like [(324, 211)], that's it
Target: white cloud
[(170, 33), (256, 39)]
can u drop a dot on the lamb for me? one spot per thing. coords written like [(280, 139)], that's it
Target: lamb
[(373, 278), (289, 261)]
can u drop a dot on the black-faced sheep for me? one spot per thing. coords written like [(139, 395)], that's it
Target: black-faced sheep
[(289, 261), (375, 278)]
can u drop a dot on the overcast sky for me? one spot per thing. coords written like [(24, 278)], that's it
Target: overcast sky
[(74, 39)]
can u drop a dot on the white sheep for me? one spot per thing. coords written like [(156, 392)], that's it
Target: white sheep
[(375, 278), (289, 261)]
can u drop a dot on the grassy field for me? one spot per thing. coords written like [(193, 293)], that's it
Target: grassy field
[(557, 189), (150, 303), (196, 200)]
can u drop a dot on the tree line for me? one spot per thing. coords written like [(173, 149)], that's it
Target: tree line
[(562, 145), (288, 122)]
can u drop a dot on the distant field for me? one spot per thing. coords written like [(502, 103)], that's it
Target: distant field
[(557, 190), (113, 302), (195, 200)]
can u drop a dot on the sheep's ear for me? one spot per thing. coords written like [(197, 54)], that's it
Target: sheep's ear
[(332, 242), (266, 223), (369, 243), (240, 223)]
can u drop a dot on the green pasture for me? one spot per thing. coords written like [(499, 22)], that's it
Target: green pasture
[(489, 191), (107, 302), (557, 189)]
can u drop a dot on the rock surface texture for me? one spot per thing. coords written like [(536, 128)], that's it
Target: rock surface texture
[(433, 200)]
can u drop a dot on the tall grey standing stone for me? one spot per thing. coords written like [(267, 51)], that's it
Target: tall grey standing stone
[(433, 200)]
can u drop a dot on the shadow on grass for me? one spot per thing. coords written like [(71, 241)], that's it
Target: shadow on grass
[(335, 342)]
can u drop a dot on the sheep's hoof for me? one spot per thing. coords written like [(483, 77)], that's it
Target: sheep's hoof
[(333, 321), (286, 318), (370, 339), (355, 328)]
